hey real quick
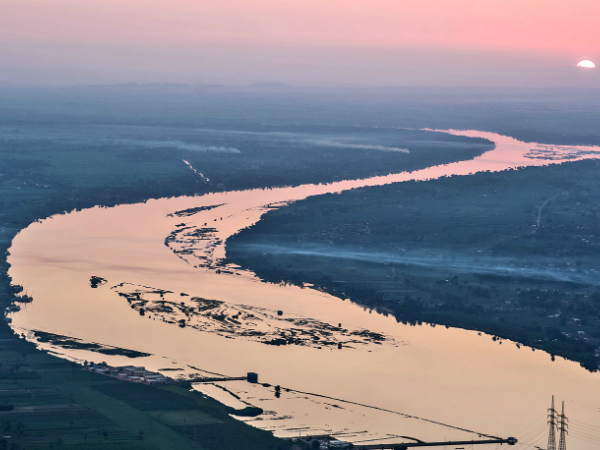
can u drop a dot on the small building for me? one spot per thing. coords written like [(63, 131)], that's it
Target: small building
[(133, 371), (252, 377), (154, 378)]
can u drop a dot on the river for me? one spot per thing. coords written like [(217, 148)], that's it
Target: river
[(384, 380)]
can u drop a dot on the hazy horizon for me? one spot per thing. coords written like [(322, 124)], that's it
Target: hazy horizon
[(314, 44), (387, 211)]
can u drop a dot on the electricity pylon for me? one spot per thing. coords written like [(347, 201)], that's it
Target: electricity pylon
[(562, 427), (552, 420)]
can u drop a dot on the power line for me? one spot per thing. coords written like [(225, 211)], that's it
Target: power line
[(535, 438), (538, 438), (584, 424), (535, 432), (535, 425), (575, 431), (586, 435), (588, 440)]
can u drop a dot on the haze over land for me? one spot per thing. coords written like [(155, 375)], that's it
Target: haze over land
[(314, 224), (78, 147)]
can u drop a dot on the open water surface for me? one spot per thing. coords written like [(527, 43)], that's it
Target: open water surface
[(381, 384)]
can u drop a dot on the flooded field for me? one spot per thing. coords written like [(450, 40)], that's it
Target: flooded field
[(161, 293)]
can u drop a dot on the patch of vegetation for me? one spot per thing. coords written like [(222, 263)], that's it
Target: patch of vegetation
[(96, 281), (249, 411), (191, 211), (73, 343), (244, 321)]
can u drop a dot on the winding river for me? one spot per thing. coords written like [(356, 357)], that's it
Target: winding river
[(168, 295)]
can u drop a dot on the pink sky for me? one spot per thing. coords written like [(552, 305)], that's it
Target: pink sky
[(367, 42)]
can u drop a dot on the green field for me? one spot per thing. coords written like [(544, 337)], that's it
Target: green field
[(54, 404)]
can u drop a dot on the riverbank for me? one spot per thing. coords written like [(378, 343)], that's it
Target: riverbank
[(166, 256), (49, 402), (512, 254), (41, 178)]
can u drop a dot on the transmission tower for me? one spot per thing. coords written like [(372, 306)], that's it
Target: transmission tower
[(552, 421), (562, 427)]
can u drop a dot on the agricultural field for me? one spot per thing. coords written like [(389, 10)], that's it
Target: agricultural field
[(46, 402)]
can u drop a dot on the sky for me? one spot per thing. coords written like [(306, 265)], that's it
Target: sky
[(534, 43)]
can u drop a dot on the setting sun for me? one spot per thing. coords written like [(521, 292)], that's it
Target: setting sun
[(586, 64)]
